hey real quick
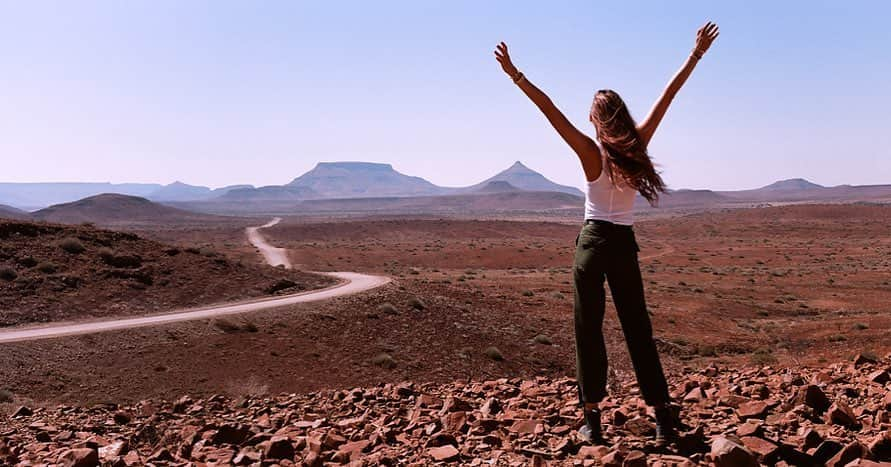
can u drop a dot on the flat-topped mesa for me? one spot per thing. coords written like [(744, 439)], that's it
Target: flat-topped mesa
[(362, 180)]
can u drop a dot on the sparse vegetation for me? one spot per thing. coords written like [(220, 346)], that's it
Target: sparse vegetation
[(46, 267), (416, 304), (8, 274), (860, 326), (493, 353), (384, 360), (231, 327), (72, 245), (6, 396), (111, 258), (387, 308), (543, 339), (528, 293), (763, 356)]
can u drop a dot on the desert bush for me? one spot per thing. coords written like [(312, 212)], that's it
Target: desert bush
[(6, 396), (384, 360), (111, 258), (543, 339), (71, 245), (28, 262), (416, 304), (763, 356), (493, 353), (387, 308), (46, 267), (226, 326), (193, 250), (232, 327), (861, 326), (707, 351), (8, 274), (171, 251), (837, 338), (106, 254), (528, 293), (558, 295)]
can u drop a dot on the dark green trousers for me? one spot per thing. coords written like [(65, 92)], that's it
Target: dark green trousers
[(609, 251)]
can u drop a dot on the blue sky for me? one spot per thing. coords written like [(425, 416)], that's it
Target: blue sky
[(223, 92)]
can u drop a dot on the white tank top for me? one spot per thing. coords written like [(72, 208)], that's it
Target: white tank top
[(605, 200)]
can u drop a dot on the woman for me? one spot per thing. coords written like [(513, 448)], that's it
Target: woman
[(616, 170)]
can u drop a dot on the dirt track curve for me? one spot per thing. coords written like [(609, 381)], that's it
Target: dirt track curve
[(351, 283)]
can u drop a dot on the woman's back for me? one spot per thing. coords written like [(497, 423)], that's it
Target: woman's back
[(608, 200)]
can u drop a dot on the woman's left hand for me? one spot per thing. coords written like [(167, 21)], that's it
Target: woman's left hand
[(504, 59), (705, 36)]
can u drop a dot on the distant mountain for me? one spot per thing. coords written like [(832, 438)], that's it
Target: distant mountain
[(268, 193), (509, 201), (524, 178), (496, 186), (179, 191), (792, 184), (226, 189), (685, 199), (39, 195), (9, 212), (362, 180), (116, 209)]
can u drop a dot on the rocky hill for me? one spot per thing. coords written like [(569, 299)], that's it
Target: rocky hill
[(113, 209), (524, 178), (54, 272), (837, 415), (9, 212)]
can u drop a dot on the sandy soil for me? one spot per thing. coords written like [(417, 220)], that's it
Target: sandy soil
[(794, 285)]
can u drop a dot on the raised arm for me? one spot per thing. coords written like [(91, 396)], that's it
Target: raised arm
[(704, 38), (583, 145)]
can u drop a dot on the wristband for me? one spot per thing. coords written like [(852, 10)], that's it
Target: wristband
[(519, 77)]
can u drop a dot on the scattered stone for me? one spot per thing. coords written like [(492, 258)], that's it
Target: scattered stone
[(840, 414), (814, 397), (754, 409), (278, 447), (851, 451), (775, 414), (22, 412), (727, 452), (83, 457), (444, 453)]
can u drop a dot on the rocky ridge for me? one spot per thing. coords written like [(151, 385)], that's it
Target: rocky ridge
[(836, 415)]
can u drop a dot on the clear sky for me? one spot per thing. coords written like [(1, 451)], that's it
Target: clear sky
[(221, 92)]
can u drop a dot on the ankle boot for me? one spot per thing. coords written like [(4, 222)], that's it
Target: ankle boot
[(667, 423), (592, 431)]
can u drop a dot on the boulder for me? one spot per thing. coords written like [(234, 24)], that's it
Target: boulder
[(727, 452)]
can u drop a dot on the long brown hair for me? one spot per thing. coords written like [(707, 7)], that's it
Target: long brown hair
[(626, 153)]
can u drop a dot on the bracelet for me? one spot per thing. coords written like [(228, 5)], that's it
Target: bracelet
[(519, 77), (698, 56)]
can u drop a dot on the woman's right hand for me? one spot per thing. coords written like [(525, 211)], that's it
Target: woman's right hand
[(704, 37), (504, 59)]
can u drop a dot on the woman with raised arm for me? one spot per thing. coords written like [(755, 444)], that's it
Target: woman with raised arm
[(616, 168)]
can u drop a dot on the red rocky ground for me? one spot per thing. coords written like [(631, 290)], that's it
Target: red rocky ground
[(836, 415)]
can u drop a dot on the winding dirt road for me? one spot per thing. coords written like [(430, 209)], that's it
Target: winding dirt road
[(351, 283)]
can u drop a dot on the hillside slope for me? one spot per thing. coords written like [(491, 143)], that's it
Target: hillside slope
[(52, 272), (111, 209)]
